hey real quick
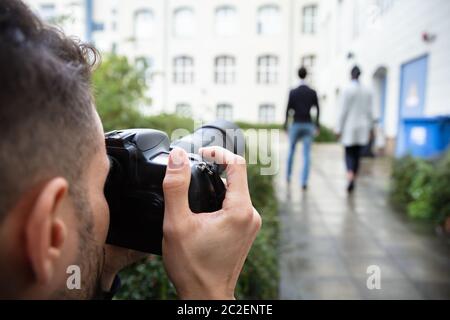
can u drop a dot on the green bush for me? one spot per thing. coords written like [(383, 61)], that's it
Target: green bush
[(248, 125), (259, 277), (422, 188), (402, 175), (326, 135), (119, 90), (440, 194)]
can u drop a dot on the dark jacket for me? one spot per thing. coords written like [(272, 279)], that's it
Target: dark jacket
[(301, 101)]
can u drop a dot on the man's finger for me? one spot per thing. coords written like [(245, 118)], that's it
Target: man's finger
[(176, 183), (236, 168)]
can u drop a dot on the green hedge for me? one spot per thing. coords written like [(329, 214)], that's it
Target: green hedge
[(326, 134), (422, 188)]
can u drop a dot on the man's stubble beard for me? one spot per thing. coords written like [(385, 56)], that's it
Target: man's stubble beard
[(90, 257)]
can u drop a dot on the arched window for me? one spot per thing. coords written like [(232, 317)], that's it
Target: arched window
[(183, 22), (144, 27), (266, 113), (267, 69), (224, 111), (269, 20), (225, 70), (183, 70), (183, 110), (226, 21)]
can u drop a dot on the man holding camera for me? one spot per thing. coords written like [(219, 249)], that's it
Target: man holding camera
[(53, 167)]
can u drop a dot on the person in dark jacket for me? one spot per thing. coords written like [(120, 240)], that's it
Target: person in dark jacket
[(301, 100)]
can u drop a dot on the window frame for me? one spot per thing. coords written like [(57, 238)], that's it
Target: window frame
[(217, 18), (264, 107), (186, 106), (176, 32), (261, 26), (228, 114), (136, 14), (310, 66), (224, 69), (183, 69), (267, 73), (309, 22)]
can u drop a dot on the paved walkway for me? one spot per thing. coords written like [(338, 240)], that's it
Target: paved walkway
[(328, 239)]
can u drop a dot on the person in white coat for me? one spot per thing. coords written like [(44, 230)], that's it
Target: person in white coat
[(355, 124)]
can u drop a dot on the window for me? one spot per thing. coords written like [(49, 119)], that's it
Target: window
[(146, 64), (143, 25), (225, 112), (183, 70), (269, 21), (266, 113), (309, 19), (309, 62), (183, 110), (184, 23), (47, 12), (225, 70), (267, 69), (226, 21), (384, 6)]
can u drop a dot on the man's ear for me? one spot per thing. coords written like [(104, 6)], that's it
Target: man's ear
[(45, 230)]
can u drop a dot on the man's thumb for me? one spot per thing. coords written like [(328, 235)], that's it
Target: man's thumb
[(176, 183)]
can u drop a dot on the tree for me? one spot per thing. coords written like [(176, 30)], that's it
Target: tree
[(119, 89)]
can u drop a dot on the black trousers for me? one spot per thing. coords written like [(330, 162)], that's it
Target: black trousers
[(352, 158)]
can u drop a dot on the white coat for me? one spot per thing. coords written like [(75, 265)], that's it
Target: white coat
[(355, 115)]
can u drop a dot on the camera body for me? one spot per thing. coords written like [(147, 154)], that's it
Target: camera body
[(133, 189)]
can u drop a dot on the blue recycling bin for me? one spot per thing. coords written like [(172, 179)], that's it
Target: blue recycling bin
[(426, 137)]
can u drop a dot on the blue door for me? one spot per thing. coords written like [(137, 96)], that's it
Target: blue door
[(412, 96)]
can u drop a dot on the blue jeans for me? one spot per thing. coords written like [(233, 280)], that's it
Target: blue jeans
[(305, 132)]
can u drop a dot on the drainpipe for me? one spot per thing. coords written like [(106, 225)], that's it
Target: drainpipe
[(89, 19)]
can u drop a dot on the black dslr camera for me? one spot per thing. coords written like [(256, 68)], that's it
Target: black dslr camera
[(133, 188)]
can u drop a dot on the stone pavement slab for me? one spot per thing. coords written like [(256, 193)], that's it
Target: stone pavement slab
[(328, 239)]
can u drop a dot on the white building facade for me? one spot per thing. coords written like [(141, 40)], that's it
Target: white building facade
[(403, 49), (238, 59), (208, 58)]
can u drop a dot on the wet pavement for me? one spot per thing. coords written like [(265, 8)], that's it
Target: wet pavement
[(328, 240)]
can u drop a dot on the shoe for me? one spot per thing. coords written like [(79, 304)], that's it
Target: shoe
[(351, 186), (305, 187)]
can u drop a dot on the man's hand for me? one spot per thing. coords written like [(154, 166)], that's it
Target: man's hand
[(204, 253), (117, 258), (316, 132)]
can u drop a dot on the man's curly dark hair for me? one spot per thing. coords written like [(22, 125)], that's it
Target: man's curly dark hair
[(46, 105)]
